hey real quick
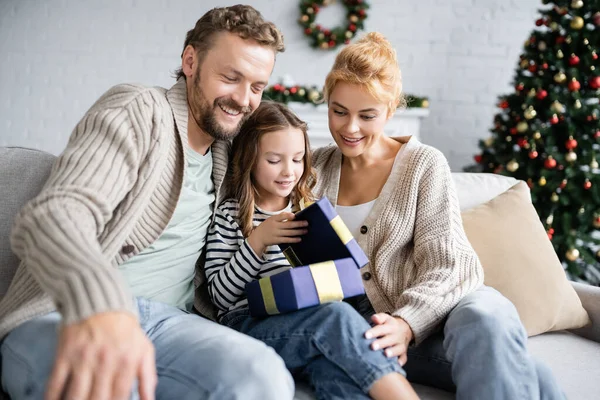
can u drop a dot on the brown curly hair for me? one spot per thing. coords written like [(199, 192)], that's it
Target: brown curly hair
[(268, 117), (243, 20)]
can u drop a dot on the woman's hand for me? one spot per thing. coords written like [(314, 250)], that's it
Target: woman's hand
[(277, 229), (392, 334)]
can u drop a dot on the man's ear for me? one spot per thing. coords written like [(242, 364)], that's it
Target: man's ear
[(189, 59)]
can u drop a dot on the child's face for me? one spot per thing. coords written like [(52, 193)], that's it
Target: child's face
[(280, 163)]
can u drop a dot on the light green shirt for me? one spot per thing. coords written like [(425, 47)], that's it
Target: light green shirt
[(165, 270)]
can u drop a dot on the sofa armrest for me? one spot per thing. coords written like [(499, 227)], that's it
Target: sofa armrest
[(590, 299)]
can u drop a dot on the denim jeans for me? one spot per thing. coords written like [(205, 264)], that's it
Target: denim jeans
[(481, 353), (324, 344), (195, 358)]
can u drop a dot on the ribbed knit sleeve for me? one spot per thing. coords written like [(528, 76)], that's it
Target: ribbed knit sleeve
[(447, 266), (56, 233)]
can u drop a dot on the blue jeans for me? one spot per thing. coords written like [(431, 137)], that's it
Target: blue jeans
[(195, 358), (325, 344), (481, 352)]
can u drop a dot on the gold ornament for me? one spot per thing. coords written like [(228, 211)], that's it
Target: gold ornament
[(530, 113), (585, 41), (324, 45), (592, 68), (524, 64), (577, 104), (313, 95), (557, 106), (542, 46), (286, 92), (488, 142), (577, 4), (512, 165), (301, 92), (553, 26), (594, 164), (572, 254), (537, 136), (559, 54), (348, 34), (425, 103), (531, 93), (542, 181), (353, 19), (522, 127), (571, 156), (577, 23), (581, 210), (321, 36), (554, 197), (310, 10), (560, 77), (304, 18), (550, 219), (568, 40), (508, 138)]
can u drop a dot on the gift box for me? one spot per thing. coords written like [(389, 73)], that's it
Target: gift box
[(328, 238), (326, 265), (303, 287)]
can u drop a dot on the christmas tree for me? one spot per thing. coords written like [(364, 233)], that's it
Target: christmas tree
[(547, 131)]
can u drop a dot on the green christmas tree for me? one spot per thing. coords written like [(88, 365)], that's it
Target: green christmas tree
[(547, 131)]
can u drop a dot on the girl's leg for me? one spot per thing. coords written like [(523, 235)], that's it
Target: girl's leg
[(334, 331)]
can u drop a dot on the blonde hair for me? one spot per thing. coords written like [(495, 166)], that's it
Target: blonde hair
[(370, 62), (268, 117)]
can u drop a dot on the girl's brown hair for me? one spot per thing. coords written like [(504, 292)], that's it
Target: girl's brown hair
[(268, 117)]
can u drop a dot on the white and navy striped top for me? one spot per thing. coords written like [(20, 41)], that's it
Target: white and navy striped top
[(230, 261)]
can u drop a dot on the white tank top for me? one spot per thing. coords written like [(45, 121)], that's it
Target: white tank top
[(354, 216)]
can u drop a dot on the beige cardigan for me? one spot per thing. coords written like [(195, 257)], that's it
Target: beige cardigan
[(421, 263), (110, 194)]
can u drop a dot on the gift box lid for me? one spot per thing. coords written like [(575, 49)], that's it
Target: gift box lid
[(328, 238)]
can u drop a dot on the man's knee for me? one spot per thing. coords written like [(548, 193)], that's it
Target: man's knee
[(27, 355)]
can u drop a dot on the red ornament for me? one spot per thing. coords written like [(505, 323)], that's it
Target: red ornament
[(532, 68), (308, 31), (541, 94), (545, 66), (550, 236), (550, 163), (597, 135), (551, 231), (522, 142), (560, 39), (533, 154), (520, 87), (347, 41), (293, 90), (554, 120), (539, 22), (596, 19), (571, 144), (503, 104), (316, 8), (587, 185), (563, 184), (352, 27), (574, 60), (478, 158), (362, 13), (513, 131), (595, 82), (326, 32), (331, 43), (594, 55), (574, 85), (278, 87)]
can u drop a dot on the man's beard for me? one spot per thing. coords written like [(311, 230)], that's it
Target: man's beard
[(205, 115)]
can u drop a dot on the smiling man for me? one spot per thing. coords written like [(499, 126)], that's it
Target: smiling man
[(100, 306)]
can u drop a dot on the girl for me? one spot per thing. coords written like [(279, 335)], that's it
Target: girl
[(326, 344), (396, 195)]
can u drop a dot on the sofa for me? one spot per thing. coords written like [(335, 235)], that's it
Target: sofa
[(574, 356)]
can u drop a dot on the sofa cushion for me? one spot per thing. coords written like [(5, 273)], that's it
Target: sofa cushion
[(574, 361), (24, 172), (474, 189), (520, 262)]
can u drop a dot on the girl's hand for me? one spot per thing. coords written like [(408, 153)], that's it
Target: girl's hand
[(393, 334), (277, 229)]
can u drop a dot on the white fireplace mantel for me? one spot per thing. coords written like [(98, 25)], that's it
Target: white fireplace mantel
[(404, 122)]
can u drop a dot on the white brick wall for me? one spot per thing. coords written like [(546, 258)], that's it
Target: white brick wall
[(58, 56)]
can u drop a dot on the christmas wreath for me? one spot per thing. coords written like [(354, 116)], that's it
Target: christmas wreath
[(324, 38)]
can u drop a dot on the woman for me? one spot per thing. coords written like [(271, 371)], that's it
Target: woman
[(397, 197)]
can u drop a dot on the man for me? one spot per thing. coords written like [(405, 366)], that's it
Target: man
[(102, 297)]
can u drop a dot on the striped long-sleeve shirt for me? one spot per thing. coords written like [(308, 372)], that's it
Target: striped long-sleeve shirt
[(230, 261)]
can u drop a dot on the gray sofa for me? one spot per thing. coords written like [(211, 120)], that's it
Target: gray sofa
[(573, 356)]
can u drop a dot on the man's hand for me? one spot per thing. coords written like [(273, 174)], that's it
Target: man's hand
[(277, 229), (100, 358), (393, 334)]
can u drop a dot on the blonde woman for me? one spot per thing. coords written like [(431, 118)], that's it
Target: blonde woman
[(424, 285)]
